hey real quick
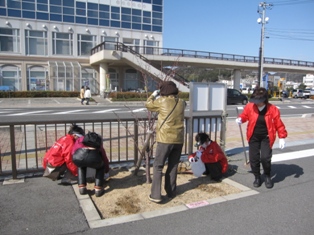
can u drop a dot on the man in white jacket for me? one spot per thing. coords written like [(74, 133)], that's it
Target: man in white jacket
[(87, 95)]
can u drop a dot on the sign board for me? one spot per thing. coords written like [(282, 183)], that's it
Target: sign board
[(207, 100), (207, 96)]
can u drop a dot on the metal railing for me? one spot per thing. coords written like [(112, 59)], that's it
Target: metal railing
[(146, 50), (24, 144)]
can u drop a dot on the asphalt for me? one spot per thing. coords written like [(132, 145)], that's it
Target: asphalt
[(35, 205)]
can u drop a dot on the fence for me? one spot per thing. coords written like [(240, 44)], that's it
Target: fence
[(24, 144)]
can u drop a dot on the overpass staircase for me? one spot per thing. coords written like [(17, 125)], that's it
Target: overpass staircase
[(136, 60)]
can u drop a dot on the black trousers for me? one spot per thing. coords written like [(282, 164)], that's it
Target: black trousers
[(213, 170), (99, 176), (260, 152)]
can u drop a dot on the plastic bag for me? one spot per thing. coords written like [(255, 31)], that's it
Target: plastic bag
[(198, 168)]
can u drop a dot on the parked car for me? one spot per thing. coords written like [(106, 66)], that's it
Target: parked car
[(284, 94), (234, 97), (297, 93), (246, 90), (306, 93)]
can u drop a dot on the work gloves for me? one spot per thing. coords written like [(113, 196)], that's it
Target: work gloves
[(282, 143), (198, 157), (155, 93), (238, 121)]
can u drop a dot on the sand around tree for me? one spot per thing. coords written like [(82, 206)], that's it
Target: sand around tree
[(127, 194)]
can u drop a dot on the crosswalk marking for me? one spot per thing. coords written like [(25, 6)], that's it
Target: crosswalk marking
[(138, 110), (106, 111), (34, 112), (292, 155), (292, 107), (305, 106), (71, 111)]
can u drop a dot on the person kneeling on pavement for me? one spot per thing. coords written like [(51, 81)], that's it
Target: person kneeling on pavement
[(90, 153), (210, 153), (58, 162)]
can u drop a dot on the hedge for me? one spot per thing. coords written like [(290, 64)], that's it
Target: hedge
[(34, 94), (136, 96)]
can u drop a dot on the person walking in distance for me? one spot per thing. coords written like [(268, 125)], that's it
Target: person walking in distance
[(82, 94), (263, 123), (87, 95), (169, 137)]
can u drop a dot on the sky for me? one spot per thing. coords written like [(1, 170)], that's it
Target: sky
[(230, 26)]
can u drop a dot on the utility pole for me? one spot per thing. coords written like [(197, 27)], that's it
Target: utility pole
[(262, 20)]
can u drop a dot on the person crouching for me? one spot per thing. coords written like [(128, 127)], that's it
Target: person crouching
[(92, 155), (211, 155)]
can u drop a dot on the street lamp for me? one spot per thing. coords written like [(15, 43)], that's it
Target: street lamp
[(262, 20)]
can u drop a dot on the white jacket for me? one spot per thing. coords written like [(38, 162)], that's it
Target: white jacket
[(87, 94)]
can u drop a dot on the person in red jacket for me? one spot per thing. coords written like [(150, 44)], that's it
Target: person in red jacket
[(58, 159), (210, 153), (264, 123)]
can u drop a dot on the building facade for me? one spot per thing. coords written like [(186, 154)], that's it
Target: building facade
[(45, 44), (308, 80)]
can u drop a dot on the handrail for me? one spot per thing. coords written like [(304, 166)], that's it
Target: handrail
[(147, 50), (29, 140)]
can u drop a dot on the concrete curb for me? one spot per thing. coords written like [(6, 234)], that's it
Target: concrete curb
[(94, 220)]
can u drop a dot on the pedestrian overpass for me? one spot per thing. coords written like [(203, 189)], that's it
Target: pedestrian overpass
[(152, 60)]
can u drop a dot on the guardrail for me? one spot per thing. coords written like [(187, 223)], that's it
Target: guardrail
[(24, 144), (146, 50)]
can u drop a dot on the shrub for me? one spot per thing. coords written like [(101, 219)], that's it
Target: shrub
[(33, 94), (135, 96)]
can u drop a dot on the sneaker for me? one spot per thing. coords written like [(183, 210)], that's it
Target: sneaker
[(107, 176), (83, 190), (153, 200), (99, 192)]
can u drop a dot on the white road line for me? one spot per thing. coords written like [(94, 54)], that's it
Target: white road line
[(138, 110), (20, 114), (292, 155), (305, 106), (278, 107), (292, 107), (72, 111), (106, 111)]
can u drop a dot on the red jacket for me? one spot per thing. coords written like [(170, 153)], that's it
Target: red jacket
[(78, 144), (212, 154), (272, 118), (60, 153)]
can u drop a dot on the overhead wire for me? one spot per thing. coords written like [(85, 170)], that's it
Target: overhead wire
[(291, 2), (290, 34)]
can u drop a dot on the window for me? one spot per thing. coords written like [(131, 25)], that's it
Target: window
[(131, 80), (110, 42), (133, 43), (11, 76), (14, 4), (150, 47), (36, 79), (36, 42), (9, 40), (85, 44), (62, 43)]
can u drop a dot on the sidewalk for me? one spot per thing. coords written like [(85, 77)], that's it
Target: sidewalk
[(39, 206)]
